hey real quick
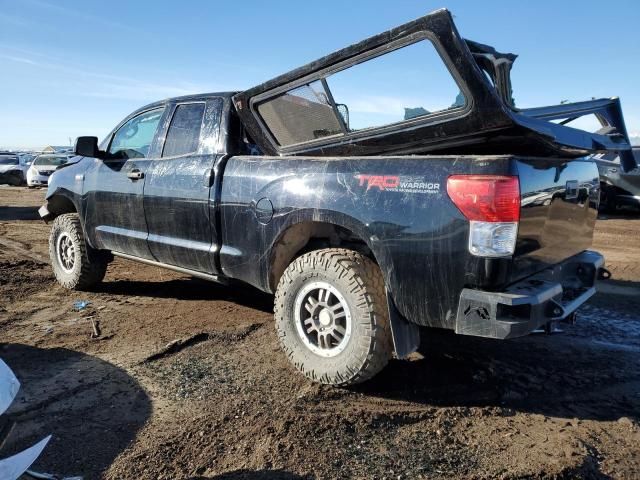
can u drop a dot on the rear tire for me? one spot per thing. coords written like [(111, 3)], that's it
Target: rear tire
[(75, 265), (608, 202), (611, 206), (332, 318)]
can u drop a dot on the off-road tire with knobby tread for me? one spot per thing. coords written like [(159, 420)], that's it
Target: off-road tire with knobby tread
[(90, 266), (360, 282)]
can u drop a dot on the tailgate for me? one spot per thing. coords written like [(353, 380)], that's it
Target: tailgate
[(559, 202)]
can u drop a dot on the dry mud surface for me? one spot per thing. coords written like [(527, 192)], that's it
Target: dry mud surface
[(224, 403)]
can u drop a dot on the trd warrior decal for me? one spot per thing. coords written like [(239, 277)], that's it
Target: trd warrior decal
[(398, 183)]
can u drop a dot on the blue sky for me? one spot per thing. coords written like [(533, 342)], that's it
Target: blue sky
[(76, 67)]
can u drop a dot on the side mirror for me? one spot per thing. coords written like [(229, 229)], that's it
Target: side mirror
[(88, 147)]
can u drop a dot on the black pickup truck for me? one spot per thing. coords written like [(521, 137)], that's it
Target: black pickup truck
[(389, 185)]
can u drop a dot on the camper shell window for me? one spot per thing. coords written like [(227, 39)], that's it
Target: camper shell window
[(401, 85)]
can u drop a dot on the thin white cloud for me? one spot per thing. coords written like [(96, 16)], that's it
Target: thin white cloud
[(14, 20), (19, 50), (79, 14), (135, 91), (87, 83), (13, 58)]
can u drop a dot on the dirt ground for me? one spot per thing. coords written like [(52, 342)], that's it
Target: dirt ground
[(225, 403)]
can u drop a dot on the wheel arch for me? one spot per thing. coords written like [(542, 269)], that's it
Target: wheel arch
[(309, 234), (58, 204)]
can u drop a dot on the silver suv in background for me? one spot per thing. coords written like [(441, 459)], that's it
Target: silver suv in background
[(618, 188), (12, 169)]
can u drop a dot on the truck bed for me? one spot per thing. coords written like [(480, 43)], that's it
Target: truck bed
[(399, 205)]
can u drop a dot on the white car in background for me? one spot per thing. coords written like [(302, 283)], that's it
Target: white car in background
[(42, 167)]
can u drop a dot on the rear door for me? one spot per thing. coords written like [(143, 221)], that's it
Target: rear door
[(178, 184), (114, 217)]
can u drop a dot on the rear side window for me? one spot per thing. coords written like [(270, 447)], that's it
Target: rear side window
[(183, 136), (300, 115), (409, 82)]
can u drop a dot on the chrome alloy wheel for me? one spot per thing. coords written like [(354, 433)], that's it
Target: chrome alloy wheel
[(66, 252), (323, 319)]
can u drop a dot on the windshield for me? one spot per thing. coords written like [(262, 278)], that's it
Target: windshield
[(9, 160), (50, 160)]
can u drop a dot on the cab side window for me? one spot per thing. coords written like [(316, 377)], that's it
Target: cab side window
[(133, 139), (183, 136)]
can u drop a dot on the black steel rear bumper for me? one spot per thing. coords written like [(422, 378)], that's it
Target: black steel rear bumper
[(553, 294)]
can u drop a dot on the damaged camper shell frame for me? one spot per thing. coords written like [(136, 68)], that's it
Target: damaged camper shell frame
[(488, 122)]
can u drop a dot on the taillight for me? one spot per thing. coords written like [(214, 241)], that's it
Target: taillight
[(492, 205), (486, 198)]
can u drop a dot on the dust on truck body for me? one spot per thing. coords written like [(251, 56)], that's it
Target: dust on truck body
[(369, 201)]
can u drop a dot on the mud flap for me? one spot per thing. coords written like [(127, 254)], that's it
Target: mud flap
[(406, 335)]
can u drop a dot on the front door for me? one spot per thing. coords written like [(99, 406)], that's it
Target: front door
[(177, 189), (114, 215)]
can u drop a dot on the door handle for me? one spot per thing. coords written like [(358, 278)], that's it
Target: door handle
[(135, 174)]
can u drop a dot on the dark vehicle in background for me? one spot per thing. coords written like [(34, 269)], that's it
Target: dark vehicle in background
[(42, 167), (12, 170), (389, 185), (619, 188)]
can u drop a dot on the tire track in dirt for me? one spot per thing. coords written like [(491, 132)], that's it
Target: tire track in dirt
[(181, 344), (20, 249)]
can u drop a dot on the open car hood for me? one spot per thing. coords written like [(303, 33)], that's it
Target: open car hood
[(275, 115)]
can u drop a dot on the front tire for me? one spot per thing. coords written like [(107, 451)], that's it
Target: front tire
[(75, 265), (332, 318), (15, 181)]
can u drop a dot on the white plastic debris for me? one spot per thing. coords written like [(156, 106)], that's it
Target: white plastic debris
[(13, 467), (9, 386)]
